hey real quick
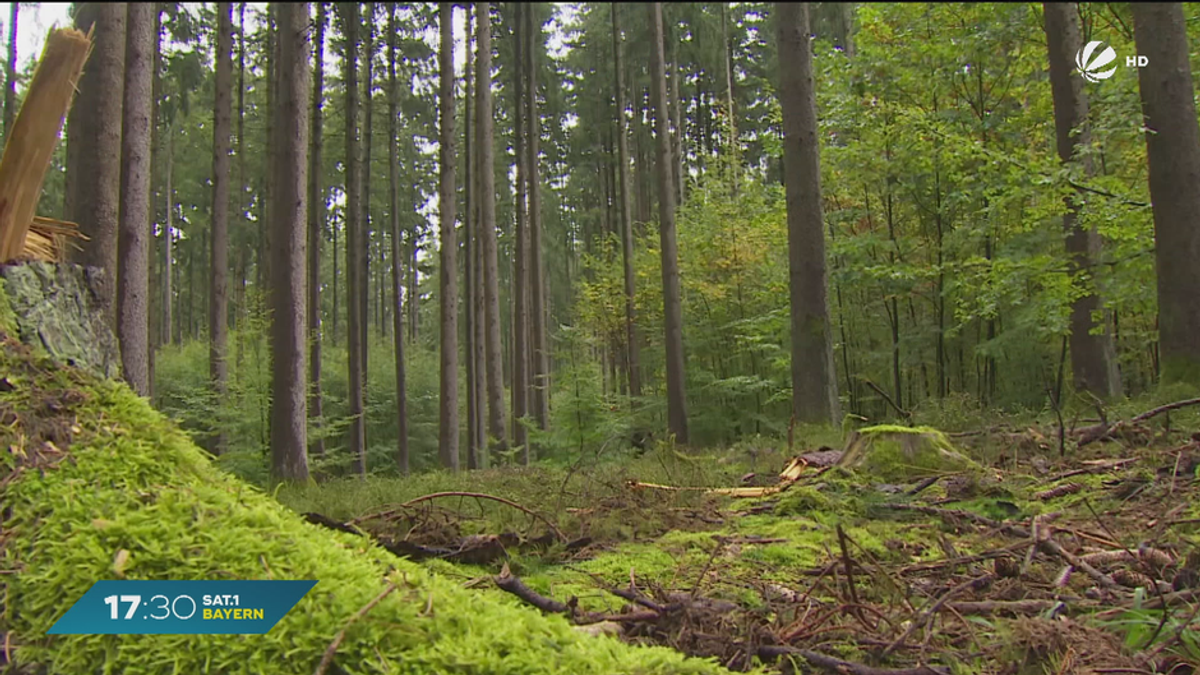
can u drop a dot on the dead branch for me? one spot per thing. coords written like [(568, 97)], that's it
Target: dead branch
[(507, 582), (1111, 431), (327, 659), (477, 495), (1096, 468), (903, 413), (1015, 607), (928, 614)]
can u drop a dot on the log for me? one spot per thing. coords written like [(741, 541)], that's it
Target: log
[(34, 135)]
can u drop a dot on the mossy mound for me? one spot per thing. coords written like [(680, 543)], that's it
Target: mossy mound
[(90, 469), (892, 453)]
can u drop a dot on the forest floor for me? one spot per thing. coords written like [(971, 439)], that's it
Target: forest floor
[(1081, 562)]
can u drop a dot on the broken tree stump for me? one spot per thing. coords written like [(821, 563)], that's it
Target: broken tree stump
[(31, 142)]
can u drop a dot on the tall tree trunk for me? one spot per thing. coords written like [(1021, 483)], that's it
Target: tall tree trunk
[(674, 94), (133, 264), (731, 114), (540, 371), (289, 459), (1173, 154), (414, 298), (97, 184), (474, 418), (353, 215), (519, 286), (263, 269), (1093, 357), (448, 274), (677, 422), (814, 388), (487, 217), (364, 243), (316, 226), (633, 359), (168, 256), (218, 320), (10, 78), (242, 205), (402, 458)]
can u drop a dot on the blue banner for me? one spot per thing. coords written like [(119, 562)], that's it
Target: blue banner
[(128, 607)]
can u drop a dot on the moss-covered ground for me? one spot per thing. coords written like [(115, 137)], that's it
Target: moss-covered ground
[(967, 573)]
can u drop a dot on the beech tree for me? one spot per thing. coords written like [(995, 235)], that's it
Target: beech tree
[(814, 387), (1173, 153), (1093, 358)]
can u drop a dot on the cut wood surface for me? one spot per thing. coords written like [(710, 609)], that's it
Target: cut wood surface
[(32, 139)]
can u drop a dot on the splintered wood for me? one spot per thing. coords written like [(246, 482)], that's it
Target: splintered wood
[(30, 145)]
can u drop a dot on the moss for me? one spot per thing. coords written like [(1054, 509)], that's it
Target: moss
[(8, 318), (162, 500), (895, 453)]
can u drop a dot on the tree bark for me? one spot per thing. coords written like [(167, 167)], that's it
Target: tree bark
[(218, 321), (494, 363), (448, 274), (540, 371), (520, 290), (1093, 357), (97, 183), (814, 389), (364, 244), (633, 359), (402, 459), (677, 422), (1173, 154), (316, 226), (133, 264), (474, 418), (168, 254), (289, 459), (353, 214), (10, 80)]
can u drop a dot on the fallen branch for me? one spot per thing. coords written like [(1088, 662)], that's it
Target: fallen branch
[(1094, 468), (927, 616), (1139, 418), (507, 582), (477, 495), (1015, 607), (327, 659)]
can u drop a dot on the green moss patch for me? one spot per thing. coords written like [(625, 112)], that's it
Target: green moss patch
[(129, 480)]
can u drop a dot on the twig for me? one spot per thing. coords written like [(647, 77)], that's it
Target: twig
[(327, 659), (478, 495), (1115, 464), (903, 413), (848, 564), (507, 582), (1002, 606), (933, 609)]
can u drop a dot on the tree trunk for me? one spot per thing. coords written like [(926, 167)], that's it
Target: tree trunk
[(242, 205), (263, 269), (289, 459), (133, 264), (633, 360), (10, 80), (814, 389), (540, 371), (487, 227), (674, 83), (1093, 357), (168, 279), (1173, 154), (97, 184), (677, 422), (316, 225), (402, 459), (519, 284), (364, 243), (448, 274), (353, 214), (731, 128), (474, 419), (218, 321)]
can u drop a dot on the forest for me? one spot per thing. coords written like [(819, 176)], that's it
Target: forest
[(858, 337)]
